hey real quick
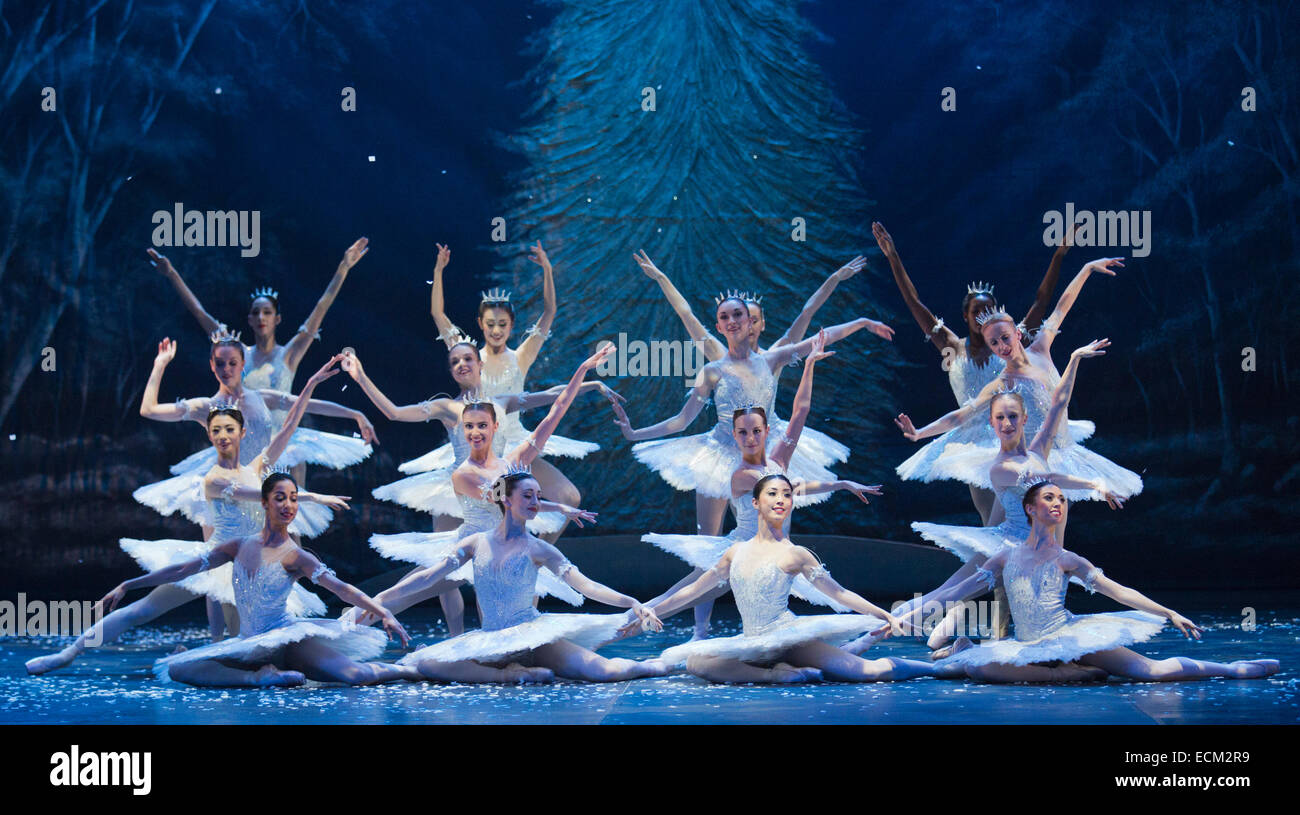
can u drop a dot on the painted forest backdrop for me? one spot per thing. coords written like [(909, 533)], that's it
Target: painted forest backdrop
[(766, 110)]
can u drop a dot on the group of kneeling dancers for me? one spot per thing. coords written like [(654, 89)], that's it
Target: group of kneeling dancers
[(1010, 439)]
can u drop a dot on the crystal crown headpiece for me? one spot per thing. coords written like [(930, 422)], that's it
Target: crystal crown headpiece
[(989, 315), (979, 288), (265, 291), (496, 296)]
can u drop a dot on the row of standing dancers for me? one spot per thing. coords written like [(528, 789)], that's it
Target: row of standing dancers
[(499, 506)]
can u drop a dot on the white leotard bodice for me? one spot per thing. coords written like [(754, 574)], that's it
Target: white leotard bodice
[(967, 379), (504, 588), (272, 374), (262, 598), (509, 380), (1036, 594), (742, 383), (761, 590)]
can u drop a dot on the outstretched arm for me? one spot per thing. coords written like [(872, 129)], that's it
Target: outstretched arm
[(695, 402), (307, 565), (1056, 411), (800, 325), (547, 555), (422, 412), (224, 553), (712, 348), (536, 442), (1053, 323), (281, 439), (279, 400), (297, 347), (176, 411), (802, 403), (421, 579), (939, 334), (952, 418), (446, 329), (1045, 289), (816, 573), (781, 356), (206, 321), (528, 350), (1094, 580), (688, 594)]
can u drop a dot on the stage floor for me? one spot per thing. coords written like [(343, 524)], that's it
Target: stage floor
[(114, 685)]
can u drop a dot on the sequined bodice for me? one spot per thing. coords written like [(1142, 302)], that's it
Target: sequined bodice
[(504, 587), (1036, 593), (233, 519), (509, 380), (480, 515), (744, 382), (261, 598), (967, 379), (1038, 398), (761, 590), (273, 374), (1015, 525)]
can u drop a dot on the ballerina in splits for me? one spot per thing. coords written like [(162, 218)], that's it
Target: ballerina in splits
[(232, 510), (777, 645), (273, 646), (967, 444), (517, 643), (970, 362), (478, 422), (750, 429), (822, 448), (1008, 473), (705, 462), (505, 370), (271, 367), (1053, 645)]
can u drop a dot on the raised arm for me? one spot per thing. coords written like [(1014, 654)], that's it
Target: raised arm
[(422, 412), (172, 412), (1094, 580), (279, 400), (281, 438), (1046, 288), (527, 351), (781, 356), (162, 264), (446, 328), (1053, 323), (705, 381), (802, 402), (310, 330), (712, 348), (939, 334), (1056, 410), (810, 307), (532, 447)]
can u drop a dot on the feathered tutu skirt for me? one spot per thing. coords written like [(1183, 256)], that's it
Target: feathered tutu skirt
[(789, 632), (968, 541), (702, 551), (256, 650), (215, 583), (305, 446), (820, 447), (427, 549), (1081, 635), (428, 491), (586, 630), (705, 462), (184, 494)]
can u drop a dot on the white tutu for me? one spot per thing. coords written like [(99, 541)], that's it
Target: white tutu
[(306, 445), (429, 548), (820, 447), (586, 630), (184, 494), (702, 551), (964, 446), (705, 462), (970, 463), (1081, 635), (439, 458), (215, 583), (430, 491), (966, 541), (555, 445), (770, 645), (259, 649)]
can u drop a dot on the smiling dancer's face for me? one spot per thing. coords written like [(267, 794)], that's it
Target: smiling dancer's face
[(1002, 337), (495, 324), (1048, 507), (523, 499), (480, 427), (750, 433), (734, 322), (758, 323), (775, 501), (225, 434), (262, 317), (282, 504), (465, 366)]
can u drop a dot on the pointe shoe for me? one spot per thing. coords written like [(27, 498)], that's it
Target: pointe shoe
[(1258, 668), (50, 662)]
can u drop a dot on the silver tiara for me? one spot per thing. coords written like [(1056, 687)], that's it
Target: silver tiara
[(458, 337), (276, 469), (1030, 481), (496, 296), (1005, 391), (756, 299), (265, 291), (989, 315), (979, 288), (223, 334), (731, 294), (214, 406), (517, 469)]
